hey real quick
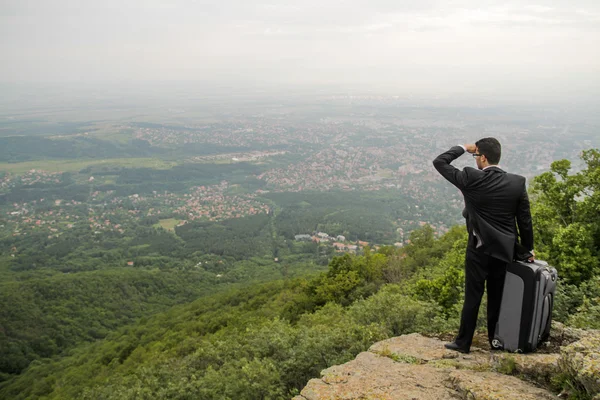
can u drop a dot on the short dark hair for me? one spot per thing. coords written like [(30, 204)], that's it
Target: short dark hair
[(490, 148)]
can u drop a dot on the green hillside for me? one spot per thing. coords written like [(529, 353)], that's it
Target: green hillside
[(245, 339)]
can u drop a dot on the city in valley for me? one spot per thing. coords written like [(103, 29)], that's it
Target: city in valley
[(190, 165)]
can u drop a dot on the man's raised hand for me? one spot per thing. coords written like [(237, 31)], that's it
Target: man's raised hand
[(471, 148)]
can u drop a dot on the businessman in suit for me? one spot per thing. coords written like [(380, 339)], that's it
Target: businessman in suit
[(496, 203)]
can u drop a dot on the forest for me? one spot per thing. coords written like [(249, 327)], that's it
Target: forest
[(104, 262), (171, 329)]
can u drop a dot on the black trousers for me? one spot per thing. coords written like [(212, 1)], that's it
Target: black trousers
[(481, 270)]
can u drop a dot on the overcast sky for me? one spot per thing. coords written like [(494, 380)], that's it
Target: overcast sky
[(540, 47)]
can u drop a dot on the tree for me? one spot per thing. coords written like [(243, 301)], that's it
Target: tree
[(565, 212)]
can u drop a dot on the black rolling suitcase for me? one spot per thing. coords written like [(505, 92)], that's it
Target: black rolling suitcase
[(526, 308)]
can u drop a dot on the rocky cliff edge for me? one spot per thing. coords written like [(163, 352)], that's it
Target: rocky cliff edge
[(417, 367)]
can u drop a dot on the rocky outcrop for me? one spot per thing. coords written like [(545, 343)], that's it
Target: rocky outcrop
[(370, 376), (581, 361), (418, 367)]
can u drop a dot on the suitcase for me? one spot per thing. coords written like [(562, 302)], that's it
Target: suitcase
[(526, 307)]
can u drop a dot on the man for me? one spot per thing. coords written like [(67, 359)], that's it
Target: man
[(494, 201)]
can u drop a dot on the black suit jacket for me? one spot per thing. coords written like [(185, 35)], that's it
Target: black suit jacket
[(496, 202)]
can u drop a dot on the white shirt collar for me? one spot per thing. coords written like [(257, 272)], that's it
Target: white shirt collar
[(489, 166)]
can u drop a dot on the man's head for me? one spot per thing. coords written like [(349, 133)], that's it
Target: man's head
[(488, 152)]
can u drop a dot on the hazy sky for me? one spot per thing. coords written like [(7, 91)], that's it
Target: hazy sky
[(539, 47)]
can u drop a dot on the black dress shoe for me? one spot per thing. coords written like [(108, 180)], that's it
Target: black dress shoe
[(455, 347)]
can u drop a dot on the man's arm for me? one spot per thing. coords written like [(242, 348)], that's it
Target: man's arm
[(442, 163), (524, 220)]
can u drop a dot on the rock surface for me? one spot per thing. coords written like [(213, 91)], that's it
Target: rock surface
[(370, 376), (417, 367), (494, 386), (582, 360)]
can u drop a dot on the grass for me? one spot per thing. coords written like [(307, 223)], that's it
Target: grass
[(168, 224), (507, 366), (385, 173), (401, 358), (108, 134), (77, 165), (569, 388)]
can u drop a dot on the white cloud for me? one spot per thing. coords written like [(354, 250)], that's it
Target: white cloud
[(490, 44)]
